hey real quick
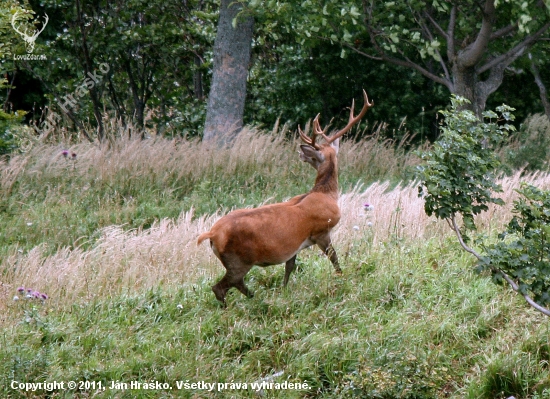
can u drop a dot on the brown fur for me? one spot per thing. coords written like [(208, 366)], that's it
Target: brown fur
[(274, 234)]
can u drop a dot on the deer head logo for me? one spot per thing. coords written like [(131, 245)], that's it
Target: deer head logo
[(28, 38)]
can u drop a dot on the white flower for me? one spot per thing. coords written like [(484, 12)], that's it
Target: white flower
[(369, 224), (15, 298), (355, 227), (180, 306)]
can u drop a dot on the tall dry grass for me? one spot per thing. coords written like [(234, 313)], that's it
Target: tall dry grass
[(167, 254), (163, 160)]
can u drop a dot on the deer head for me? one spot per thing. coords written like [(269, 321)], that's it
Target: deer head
[(312, 152), (28, 38)]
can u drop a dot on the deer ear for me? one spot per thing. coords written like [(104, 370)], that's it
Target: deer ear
[(311, 155), (336, 145)]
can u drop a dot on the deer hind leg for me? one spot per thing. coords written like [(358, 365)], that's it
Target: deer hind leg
[(290, 265), (325, 244), (234, 277)]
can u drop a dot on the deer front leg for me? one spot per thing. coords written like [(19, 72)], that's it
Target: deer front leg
[(325, 244), (290, 265)]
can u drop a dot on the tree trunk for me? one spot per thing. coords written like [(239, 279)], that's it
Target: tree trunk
[(224, 113), (94, 95), (468, 85), (541, 86), (197, 79), (465, 82)]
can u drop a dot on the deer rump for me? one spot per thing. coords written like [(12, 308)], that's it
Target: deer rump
[(261, 237)]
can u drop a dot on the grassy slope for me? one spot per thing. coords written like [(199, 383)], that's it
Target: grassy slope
[(408, 317), (409, 321)]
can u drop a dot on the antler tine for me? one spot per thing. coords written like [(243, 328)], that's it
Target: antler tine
[(303, 136), (351, 110), (311, 140), (317, 128), (352, 119)]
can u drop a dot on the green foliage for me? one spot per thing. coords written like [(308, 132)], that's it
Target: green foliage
[(458, 179), (155, 52), (523, 251), (10, 127), (9, 124), (10, 41), (458, 175), (293, 83), (425, 36)]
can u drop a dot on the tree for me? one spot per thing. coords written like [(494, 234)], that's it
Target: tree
[(224, 114), (154, 55), (464, 45)]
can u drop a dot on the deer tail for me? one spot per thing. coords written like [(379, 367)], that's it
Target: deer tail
[(204, 236)]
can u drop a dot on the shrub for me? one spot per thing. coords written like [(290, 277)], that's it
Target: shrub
[(458, 180)]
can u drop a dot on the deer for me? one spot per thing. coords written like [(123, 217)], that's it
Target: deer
[(275, 233)]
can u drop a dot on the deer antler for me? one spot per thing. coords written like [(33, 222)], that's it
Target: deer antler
[(308, 140), (318, 131)]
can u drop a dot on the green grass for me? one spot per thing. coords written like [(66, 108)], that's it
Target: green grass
[(396, 324)]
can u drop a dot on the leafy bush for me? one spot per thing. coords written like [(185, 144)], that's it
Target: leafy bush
[(458, 177), (523, 251), (11, 131), (458, 180)]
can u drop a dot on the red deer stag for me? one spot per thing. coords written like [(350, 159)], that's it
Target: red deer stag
[(274, 234)]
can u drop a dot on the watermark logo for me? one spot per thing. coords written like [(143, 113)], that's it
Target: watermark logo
[(28, 37)]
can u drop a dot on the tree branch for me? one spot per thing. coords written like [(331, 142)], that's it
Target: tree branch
[(507, 278), (475, 51), (430, 36), (492, 83), (542, 87), (515, 52), (504, 31), (383, 56), (455, 228), (436, 25), (451, 35)]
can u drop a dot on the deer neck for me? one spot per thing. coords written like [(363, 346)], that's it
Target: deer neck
[(327, 177)]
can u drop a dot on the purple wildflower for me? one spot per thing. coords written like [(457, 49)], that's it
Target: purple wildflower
[(65, 153), (21, 289)]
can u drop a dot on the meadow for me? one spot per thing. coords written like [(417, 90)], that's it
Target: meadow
[(109, 235)]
